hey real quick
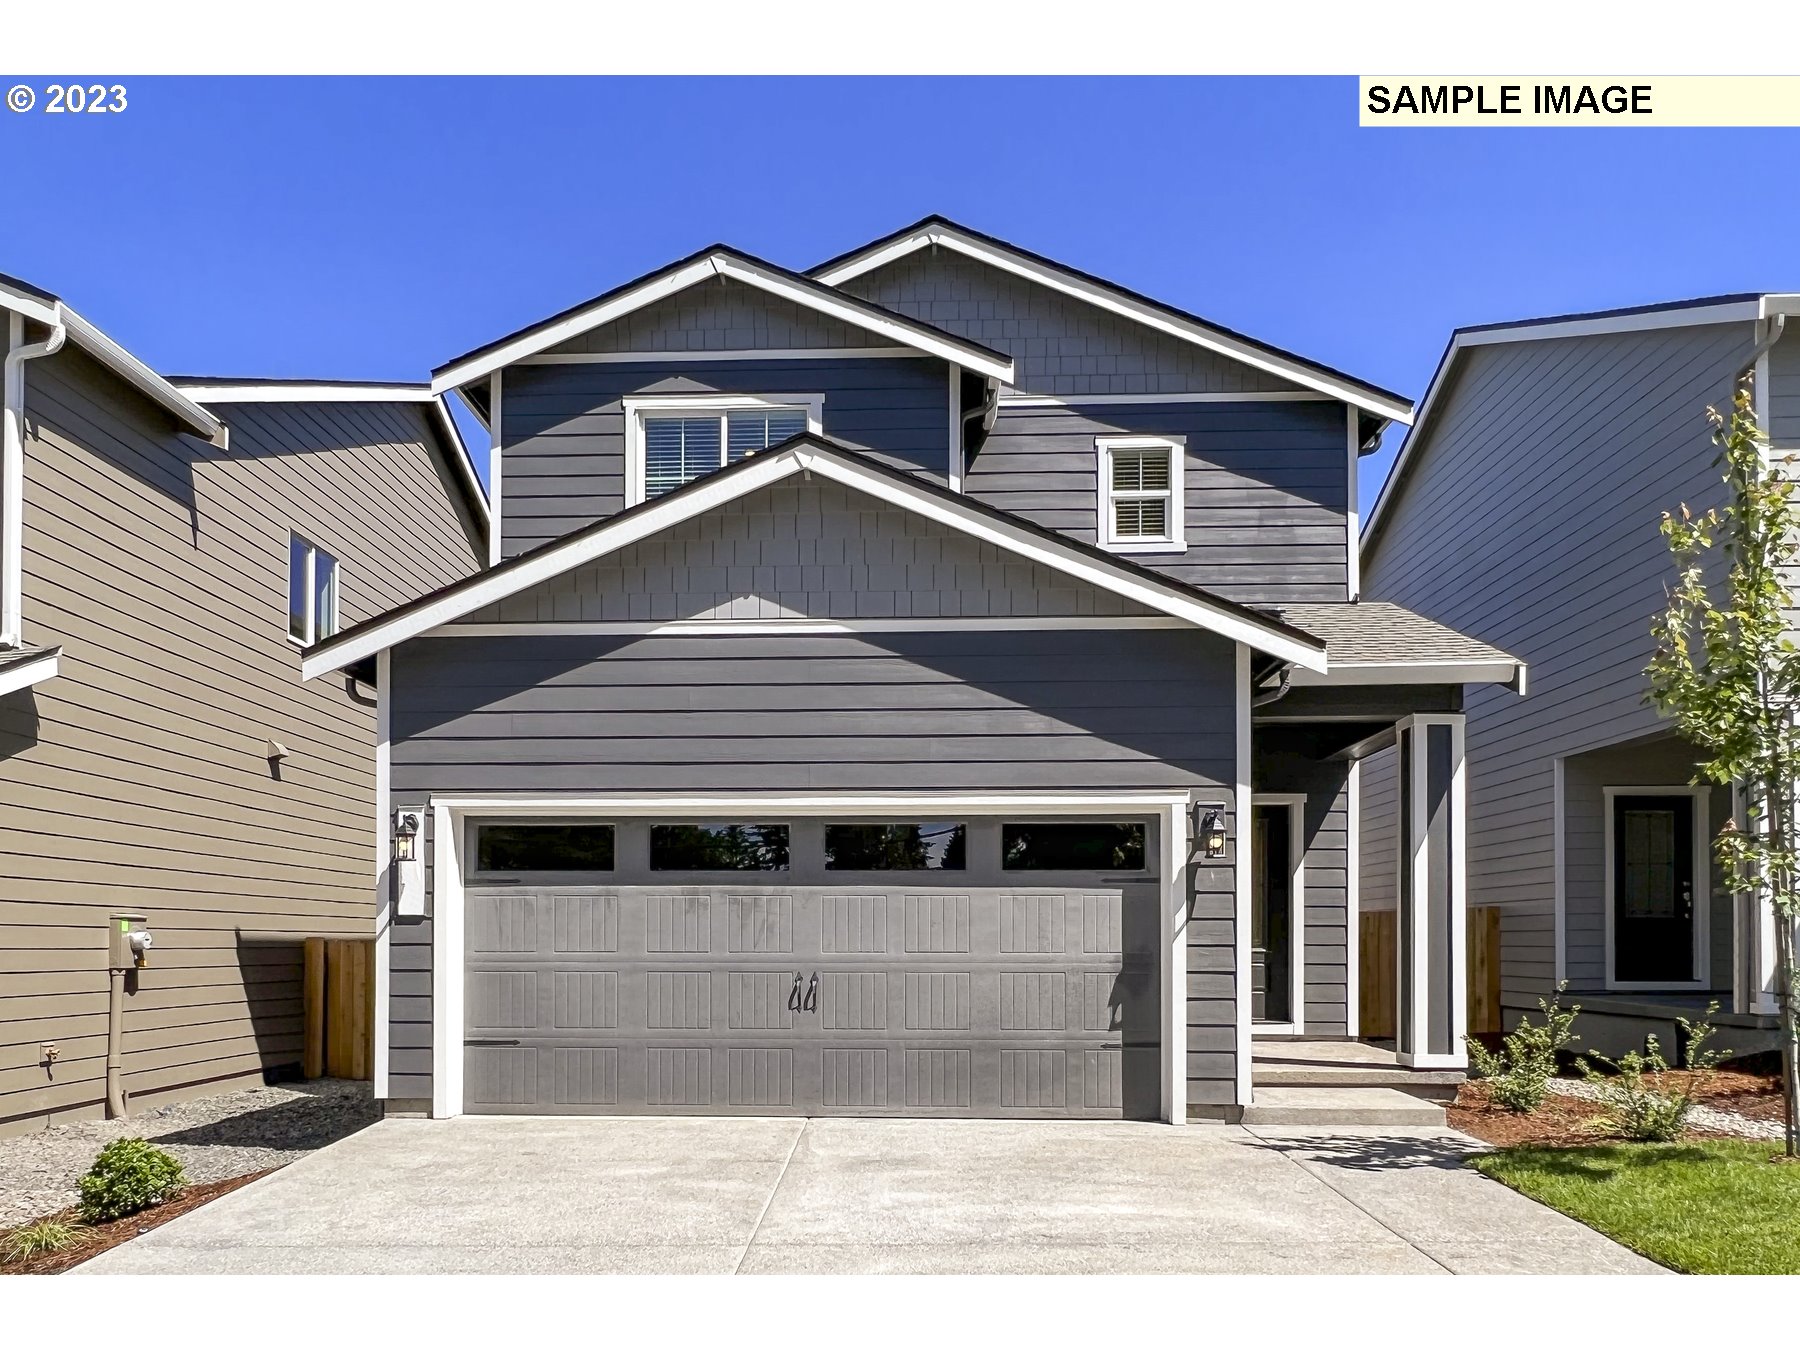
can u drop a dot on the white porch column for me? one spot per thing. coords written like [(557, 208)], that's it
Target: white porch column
[(1432, 894)]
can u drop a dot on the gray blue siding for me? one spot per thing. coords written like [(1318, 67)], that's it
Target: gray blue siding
[(722, 315)]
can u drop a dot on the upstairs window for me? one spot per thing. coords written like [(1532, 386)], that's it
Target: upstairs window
[(312, 592), (673, 441), (1140, 503)]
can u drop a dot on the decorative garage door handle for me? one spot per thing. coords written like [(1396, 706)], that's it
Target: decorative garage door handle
[(514, 1042), (812, 995), (794, 994)]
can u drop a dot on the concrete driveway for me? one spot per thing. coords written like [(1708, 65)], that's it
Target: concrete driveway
[(717, 1196)]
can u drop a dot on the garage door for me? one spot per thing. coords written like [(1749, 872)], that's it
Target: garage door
[(761, 967)]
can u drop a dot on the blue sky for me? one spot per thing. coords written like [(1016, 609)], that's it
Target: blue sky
[(375, 228)]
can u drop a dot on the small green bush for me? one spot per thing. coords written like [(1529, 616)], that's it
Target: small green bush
[(1518, 1077), (129, 1175), (38, 1239), (1643, 1104)]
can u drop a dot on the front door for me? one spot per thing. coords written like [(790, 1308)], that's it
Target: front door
[(1653, 890)]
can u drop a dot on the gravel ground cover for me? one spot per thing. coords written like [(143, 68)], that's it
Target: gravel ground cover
[(215, 1138), (1708, 1118)]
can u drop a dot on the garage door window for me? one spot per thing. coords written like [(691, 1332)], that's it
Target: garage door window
[(544, 848), (924, 846), (719, 847), (1071, 846)]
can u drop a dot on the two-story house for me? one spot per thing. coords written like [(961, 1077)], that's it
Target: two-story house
[(928, 685), (1525, 508), (168, 549)]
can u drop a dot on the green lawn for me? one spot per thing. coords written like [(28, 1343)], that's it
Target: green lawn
[(1712, 1208)]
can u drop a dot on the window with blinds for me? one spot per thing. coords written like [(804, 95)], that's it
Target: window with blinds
[(680, 447), (1140, 493)]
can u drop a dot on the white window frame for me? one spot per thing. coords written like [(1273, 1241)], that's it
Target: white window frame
[(1294, 803), (1176, 539), (313, 551), (640, 406), (1701, 796)]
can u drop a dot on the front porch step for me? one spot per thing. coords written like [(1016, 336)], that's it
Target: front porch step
[(1327, 1106), (1438, 1085)]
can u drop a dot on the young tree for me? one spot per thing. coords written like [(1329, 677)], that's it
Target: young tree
[(1728, 671)]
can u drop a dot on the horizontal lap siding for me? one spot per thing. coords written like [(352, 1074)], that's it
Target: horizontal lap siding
[(564, 425), (136, 779), (999, 711), (1530, 521), (1265, 487)]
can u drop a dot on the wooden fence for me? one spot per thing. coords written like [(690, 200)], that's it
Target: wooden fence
[(339, 1005), (1379, 962)]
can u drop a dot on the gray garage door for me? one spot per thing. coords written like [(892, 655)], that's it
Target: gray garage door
[(977, 990)]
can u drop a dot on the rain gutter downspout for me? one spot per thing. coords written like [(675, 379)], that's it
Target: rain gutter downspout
[(12, 472), (1269, 696)]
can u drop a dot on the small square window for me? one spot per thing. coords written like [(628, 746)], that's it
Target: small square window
[(724, 846), (312, 592), (671, 441), (1140, 506)]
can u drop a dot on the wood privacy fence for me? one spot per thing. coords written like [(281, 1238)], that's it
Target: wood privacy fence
[(339, 1006), (1378, 966)]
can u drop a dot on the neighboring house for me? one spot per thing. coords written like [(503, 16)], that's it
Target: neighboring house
[(1524, 508), (167, 551), (883, 677)]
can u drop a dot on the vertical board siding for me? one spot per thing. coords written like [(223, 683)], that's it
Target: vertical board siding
[(137, 780), (915, 712), (564, 425), (1530, 520), (806, 549), (1265, 488), (1059, 345)]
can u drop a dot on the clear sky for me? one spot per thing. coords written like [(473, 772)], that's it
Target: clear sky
[(375, 228)]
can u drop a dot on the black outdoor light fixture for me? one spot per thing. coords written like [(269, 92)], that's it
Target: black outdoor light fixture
[(1210, 827), (406, 836)]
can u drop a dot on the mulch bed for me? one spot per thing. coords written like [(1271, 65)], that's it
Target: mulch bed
[(1567, 1121), (94, 1239)]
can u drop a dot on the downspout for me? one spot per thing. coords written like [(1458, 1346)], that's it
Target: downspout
[(1777, 322), (984, 412), (115, 1041), (1269, 696), (12, 473)]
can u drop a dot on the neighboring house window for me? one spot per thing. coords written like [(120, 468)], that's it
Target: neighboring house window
[(675, 439), (1140, 494), (312, 592)]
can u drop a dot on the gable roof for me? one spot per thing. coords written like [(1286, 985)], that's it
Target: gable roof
[(1744, 307), (720, 260), (204, 389), (828, 459), (946, 233), (42, 307)]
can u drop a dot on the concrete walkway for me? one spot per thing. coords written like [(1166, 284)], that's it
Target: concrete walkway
[(862, 1196)]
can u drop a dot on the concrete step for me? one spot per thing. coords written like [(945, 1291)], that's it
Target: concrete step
[(1326, 1106), (1434, 1084)]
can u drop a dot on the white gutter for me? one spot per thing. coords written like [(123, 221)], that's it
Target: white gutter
[(12, 472)]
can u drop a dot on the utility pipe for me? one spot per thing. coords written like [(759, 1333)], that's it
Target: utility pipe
[(12, 472), (115, 1040)]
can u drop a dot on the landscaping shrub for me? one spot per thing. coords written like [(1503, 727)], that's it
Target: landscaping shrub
[(129, 1175), (1519, 1075), (1642, 1101), (38, 1239)]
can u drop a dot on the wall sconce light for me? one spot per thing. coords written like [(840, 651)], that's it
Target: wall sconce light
[(409, 867), (406, 836), (1210, 828)]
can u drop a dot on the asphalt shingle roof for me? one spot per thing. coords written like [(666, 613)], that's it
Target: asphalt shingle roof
[(1372, 632)]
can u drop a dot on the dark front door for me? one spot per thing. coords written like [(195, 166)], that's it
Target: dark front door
[(1271, 903), (1653, 889)]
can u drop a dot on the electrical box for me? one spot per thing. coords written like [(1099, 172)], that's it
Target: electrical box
[(128, 942)]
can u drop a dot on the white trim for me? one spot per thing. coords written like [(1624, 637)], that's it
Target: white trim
[(1741, 311), (33, 670), (1295, 803), (1459, 891), (953, 454), (749, 476), (496, 467), (145, 380), (732, 354), (313, 553), (1701, 797), (1344, 673), (1111, 299), (1175, 540), (301, 391), (1240, 882), (891, 326), (803, 627), (449, 813), (637, 406), (447, 1033), (1559, 899), (1353, 903), (1114, 400), (384, 853), (1352, 534), (1419, 727)]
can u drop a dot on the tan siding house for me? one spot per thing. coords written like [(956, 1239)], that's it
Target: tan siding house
[(139, 777)]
